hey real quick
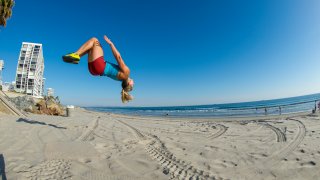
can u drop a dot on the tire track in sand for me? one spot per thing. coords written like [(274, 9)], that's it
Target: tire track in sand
[(281, 137), (301, 132), (221, 130), (176, 168), (135, 131), (90, 131), (273, 160), (297, 140)]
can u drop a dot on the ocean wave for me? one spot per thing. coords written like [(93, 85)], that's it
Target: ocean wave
[(283, 106)]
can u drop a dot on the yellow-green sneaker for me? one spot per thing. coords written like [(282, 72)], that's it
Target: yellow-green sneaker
[(71, 58)]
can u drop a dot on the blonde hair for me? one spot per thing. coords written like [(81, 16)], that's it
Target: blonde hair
[(125, 96)]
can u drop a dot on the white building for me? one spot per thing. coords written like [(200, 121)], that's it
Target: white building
[(50, 92), (29, 76)]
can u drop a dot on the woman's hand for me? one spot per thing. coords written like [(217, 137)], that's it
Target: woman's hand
[(107, 40)]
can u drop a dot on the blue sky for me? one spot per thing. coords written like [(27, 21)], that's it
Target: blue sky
[(180, 52)]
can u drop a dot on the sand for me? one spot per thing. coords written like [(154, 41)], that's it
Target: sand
[(99, 146)]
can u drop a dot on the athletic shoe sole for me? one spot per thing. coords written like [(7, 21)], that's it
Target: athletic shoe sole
[(69, 59)]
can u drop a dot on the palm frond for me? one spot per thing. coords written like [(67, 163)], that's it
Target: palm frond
[(5, 11)]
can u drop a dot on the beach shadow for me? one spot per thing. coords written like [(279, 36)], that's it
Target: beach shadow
[(55, 126), (2, 168), (30, 121), (38, 122)]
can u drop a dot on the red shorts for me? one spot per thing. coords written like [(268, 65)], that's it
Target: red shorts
[(97, 66)]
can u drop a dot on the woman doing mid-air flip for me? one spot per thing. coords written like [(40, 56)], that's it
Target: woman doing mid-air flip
[(99, 67)]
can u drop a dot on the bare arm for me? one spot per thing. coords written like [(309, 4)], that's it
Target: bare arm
[(124, 70)]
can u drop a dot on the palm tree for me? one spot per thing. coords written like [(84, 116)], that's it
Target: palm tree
[(5, 11)]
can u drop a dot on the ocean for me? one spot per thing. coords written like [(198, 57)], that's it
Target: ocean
[(257, 108)]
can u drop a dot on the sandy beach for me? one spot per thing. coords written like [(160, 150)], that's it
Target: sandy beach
[(93, 145)]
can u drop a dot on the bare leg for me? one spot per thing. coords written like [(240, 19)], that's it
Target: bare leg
[(95, 52), (93, 47)]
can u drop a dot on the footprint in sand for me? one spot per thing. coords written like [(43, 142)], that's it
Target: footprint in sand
[(53, 169), (224, 164), (21, 168), (207, 166), (302, 150), (101, 145), (84, 160), (17, 158), (308, 164)]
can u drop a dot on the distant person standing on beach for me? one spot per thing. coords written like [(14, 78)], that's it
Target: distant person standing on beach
[(99, 67)]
